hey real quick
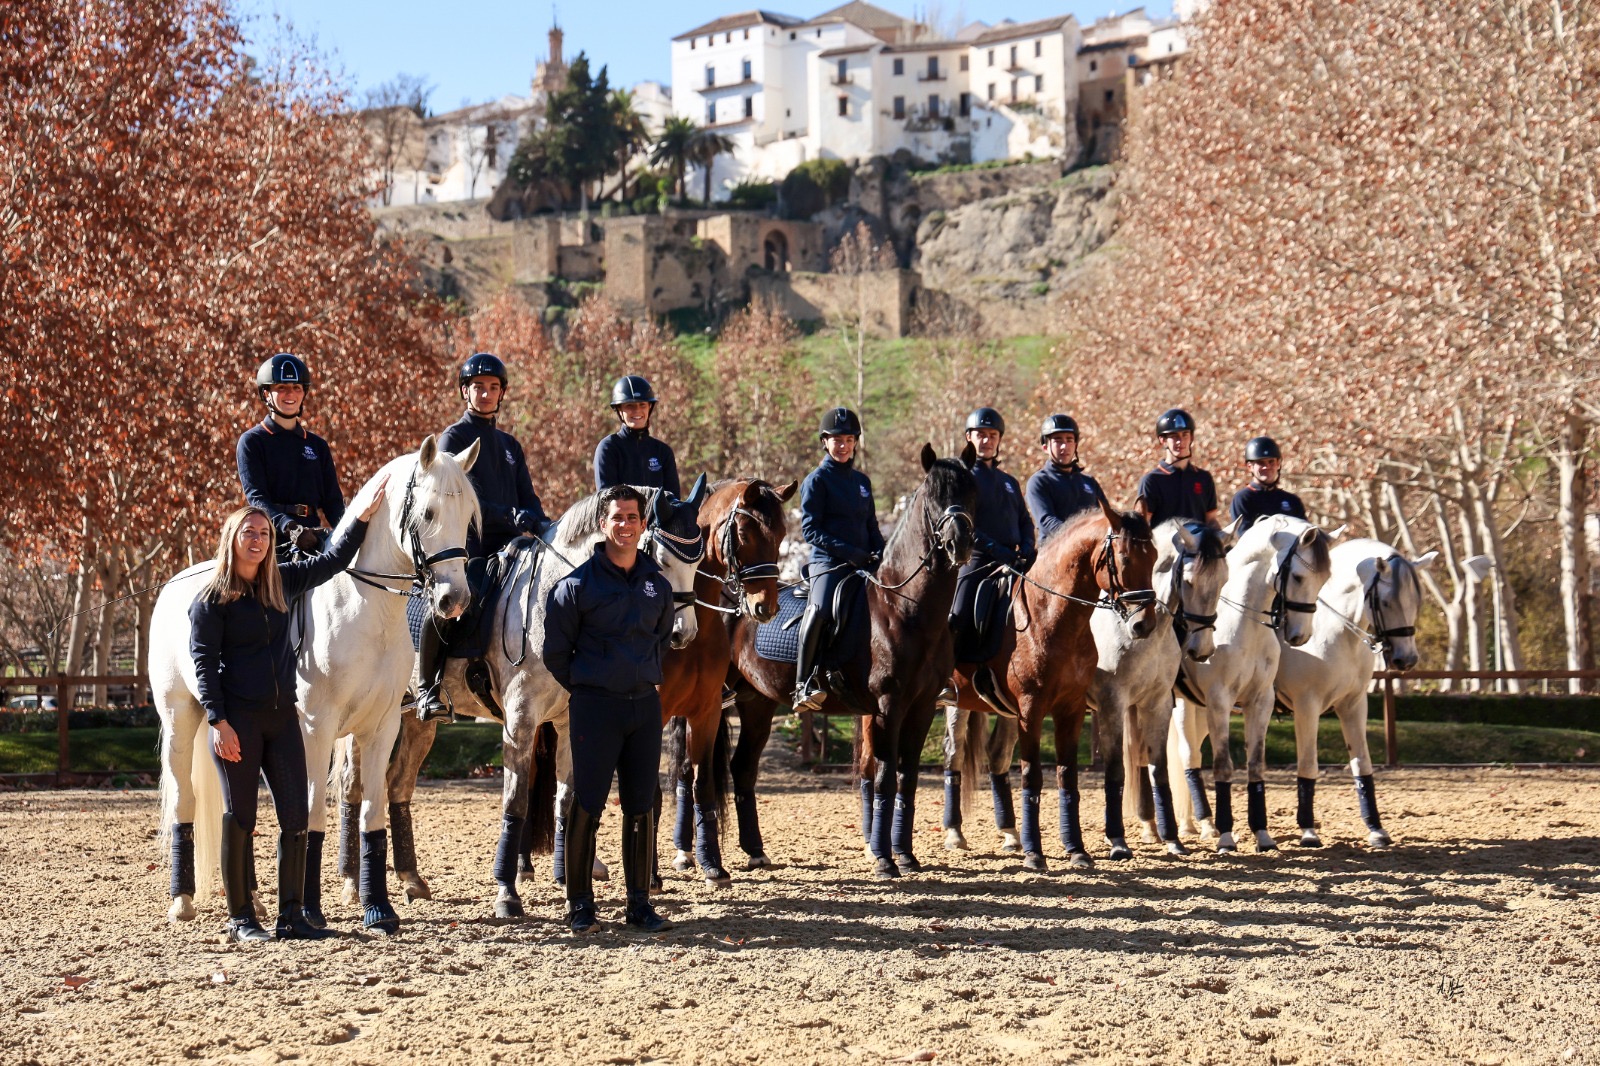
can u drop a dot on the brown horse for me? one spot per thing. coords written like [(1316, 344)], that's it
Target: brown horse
[(1047, 662), (743, 525), (894, 684)]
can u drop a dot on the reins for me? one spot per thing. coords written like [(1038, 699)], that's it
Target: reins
[(1379, 640), (734, 580), (1119, 598)]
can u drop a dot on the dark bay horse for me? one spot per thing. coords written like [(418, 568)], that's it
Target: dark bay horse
[(894, 685), (1047, 660), (742, 523)]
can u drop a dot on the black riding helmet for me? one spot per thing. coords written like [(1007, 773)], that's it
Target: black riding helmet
[(1174, 420), (283, 369), (1260, 448), (632, 389), (1058, 424), (986, 418), (840, 422), (483, 364)]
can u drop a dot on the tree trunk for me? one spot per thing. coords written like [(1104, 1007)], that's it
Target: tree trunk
[(77, 634), (1572, 476), (708, 182), (110, 572)]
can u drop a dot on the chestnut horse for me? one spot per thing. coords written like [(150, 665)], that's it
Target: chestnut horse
[(742, 523), (894, 684), (1047, 662)]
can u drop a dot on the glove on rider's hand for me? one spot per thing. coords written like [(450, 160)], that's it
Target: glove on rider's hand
[(291, 533), (309, 541), (526, 520), (874, 560)]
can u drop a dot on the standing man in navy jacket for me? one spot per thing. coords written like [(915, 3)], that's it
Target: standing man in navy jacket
[(1060, 489), (285, 469), (631, 456), (605, 631)]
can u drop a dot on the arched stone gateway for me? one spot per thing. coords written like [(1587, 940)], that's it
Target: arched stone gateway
[(775, 251)]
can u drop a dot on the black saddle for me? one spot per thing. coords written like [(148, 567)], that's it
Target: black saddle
[(979, 621), (468, 636)]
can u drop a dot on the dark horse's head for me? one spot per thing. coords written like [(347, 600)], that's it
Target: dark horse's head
[(1124, 566), (743, 525), (949, 496)]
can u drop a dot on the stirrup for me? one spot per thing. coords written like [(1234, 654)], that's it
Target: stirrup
[(434, 704), (946, 699), (809, 695)]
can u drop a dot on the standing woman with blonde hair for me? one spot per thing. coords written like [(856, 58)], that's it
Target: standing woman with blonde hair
[(245, 668)]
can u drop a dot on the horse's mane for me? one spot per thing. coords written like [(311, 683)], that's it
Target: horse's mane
[(582, 519), (1076, 527), (1209, 537), (946, 479)]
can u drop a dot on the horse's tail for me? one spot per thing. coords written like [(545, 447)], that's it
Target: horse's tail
[(675, 742), (207, 816), (540, 832), (971, 754)]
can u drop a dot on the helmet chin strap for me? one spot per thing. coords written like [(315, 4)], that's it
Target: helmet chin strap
[(266, 398)]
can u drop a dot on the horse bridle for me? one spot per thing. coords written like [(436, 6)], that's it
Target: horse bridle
[(733, 582), (685, 549), (1281, 603), (935, 527), (422, 564), (1126, 602), (1382, 637), (1184, 618)]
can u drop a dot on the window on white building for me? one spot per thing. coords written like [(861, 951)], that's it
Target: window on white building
[(899, 107), (691, 44), (744, 70), (844, 107), (991, 57), (1038, 49), (963, 62), (749, 107), (1013, 57), (711, 75), (966, 104), (727, 38), (933, 68), (844, 71), (933, 106), (1013, 90), (991, 92), (899, 67), (711, 112), (1094, 65), (747, 35), (1038, 83)]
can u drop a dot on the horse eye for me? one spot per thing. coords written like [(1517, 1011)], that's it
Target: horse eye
[(427, 515)]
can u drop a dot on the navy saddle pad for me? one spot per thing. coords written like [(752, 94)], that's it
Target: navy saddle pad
[(779, 639)]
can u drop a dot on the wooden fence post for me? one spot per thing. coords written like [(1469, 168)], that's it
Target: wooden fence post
[(63, 741)]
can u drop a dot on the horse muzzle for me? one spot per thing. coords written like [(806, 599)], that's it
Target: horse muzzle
[(683, 633), (450, 600), (760, 607)]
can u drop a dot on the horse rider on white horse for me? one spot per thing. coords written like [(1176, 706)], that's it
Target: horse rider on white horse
[(285, 469), (1176, 488), (505, 494), (1264, 496)]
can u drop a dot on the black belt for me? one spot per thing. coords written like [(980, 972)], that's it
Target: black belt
[(299, 510)]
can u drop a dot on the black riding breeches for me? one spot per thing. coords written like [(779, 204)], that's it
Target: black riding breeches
[(616, 735), (977, 637), (270, 743)]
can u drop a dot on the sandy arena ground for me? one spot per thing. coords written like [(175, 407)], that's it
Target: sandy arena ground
[(1476, 939)]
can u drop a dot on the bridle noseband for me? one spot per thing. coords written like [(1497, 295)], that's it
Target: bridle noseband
[(688, 550), (422, 564), (1126, 602), (1185, 619), (1281, 603)]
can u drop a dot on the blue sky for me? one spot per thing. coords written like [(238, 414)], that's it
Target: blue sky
[(477, 51)]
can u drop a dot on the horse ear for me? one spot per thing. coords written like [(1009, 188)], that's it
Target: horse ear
[(1106, 509), (1230, 532), (428, 454), (697, 495), (1308, 536), (1425, 561), (969, 454), (1335, 534), (468, 457), (928, 457), (1186, 538), (785, 493), (1380, 566)]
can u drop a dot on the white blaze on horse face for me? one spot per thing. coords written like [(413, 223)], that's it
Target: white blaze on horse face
[(685, 625), (443, 505), (1304, 583)]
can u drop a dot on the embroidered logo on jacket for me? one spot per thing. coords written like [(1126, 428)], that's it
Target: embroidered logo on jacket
[(512, 459), (311, 453), (650, 589), (866, 493), (1011, 488), (654, 463)]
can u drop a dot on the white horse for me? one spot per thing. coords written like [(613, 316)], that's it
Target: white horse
[(1132, 689), (354, 663), (1276, 570), (1369, 605), (528, 694)]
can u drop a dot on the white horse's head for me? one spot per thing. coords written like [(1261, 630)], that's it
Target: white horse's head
[(1194, 559), (677, 544), (1393, 598), (429, 514), (1299, 568)]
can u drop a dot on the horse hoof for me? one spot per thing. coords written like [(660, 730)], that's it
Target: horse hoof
[(885, 870), (1079, 860), (1176, 848), (954, 841), (1309, 839), (1010, 843), (657, 886), (415, 888), (602, 872), (352, 892), (1207, 830), (1120, 852), (718, 879), (1379, 839), (381, 919), (757, 862), (182, 909), (509, 907), (1147, 834), (683, 862), (1034, 860), (907, 864), (1264, 842), (1226, 844), (530, 875)]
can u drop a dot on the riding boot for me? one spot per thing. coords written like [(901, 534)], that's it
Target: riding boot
[(311, 889), (952, 799), (1004, 814), (431, 655), (183, 860), (808, 690), (242, 924), (582, 827), (292, 922), (638, 862)]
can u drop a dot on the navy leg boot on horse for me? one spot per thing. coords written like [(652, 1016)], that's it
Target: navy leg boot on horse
[(1166, 815), (311, 889), (242, 924), (638, 863), (1197, 794), (292, 922), (582, 828), (1367, 797), (1255, 800), (508, 903), (377, 914), (182, 871), (1005, 817), (750, 842), (683, 826), (952, 805), (1224, 821), (903, 836), (1032, 837)]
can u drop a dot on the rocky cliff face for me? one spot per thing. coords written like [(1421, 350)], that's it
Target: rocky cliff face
[(1010, 258)]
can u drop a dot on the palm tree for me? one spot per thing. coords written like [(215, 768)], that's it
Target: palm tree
[(673, 148), (631, 133), (704, 148)]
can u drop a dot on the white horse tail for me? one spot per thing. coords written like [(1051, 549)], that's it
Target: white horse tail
[(207, 817)]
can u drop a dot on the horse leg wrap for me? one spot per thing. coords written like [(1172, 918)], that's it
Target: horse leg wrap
[(952, 799), (1071, 830), (1306, 806), (349, 840), (1255, 801), (1224, 807), (1368, 798), (683, 827), (183, 860), (707, 840), (866, 811), (505, 854), (1114, 809), (1165, 812), (374, 869), (903, 839), (1005, 817), (404, 841), (312, 895), (1032, 842), (1197, 794), (744, 805), (882, 827)]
